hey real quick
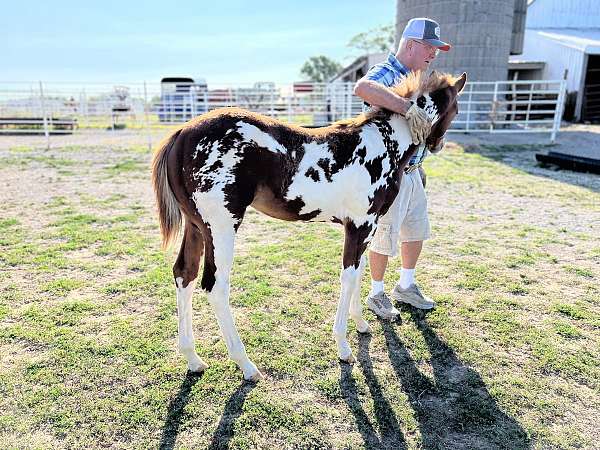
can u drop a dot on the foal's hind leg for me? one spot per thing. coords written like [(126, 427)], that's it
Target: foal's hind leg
[(185, 272), (350, 276), (216, 280)]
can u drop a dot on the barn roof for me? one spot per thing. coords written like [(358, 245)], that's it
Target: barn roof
[(584, 39)]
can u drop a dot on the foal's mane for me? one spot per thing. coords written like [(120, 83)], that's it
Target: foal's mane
[(415, 83)]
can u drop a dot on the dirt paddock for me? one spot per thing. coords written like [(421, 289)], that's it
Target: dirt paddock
[(508, 359)]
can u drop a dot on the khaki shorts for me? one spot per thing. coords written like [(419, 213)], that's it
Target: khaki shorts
[(406, 220)]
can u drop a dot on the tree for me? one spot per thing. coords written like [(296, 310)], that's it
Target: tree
[(320, 68), (379, 39)]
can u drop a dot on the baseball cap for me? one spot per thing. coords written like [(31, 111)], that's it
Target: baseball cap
[(427, 30)]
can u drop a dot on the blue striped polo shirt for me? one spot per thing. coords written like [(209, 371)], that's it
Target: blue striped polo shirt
[(389, 73)]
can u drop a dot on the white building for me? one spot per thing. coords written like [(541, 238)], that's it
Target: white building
[(564, 35), (359, 67)]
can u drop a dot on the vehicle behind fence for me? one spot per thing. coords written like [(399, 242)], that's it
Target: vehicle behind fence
[(54, 108)]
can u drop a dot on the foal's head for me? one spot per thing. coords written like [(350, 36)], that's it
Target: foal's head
[(437, 94)]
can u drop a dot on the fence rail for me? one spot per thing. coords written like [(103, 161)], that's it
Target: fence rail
[(56, 108)]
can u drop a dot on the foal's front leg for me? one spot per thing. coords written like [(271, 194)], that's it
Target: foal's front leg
[(355, 303), (350, 277)]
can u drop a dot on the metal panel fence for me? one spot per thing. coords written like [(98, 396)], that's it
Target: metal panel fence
[(511, 107), (56, 108)]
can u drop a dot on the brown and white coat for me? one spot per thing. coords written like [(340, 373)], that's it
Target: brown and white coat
[(216, 166)]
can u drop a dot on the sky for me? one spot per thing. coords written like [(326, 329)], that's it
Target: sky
[(231, 41)]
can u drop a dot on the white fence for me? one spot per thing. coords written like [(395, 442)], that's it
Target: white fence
[(53, 108), (511, 107)]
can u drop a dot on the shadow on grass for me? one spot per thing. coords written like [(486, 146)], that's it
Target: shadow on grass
[(224, 431), (390, 435), (455, 410), (175, 411), (233, 410)]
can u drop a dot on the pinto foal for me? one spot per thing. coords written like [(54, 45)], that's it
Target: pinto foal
[(215, 166)]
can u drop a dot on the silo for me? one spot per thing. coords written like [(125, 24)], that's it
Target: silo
[(480, 31)]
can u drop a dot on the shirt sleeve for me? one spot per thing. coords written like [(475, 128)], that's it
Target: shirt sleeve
[(381, 73)]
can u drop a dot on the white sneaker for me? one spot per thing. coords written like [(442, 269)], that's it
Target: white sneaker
[(382, 307), (413, 296)]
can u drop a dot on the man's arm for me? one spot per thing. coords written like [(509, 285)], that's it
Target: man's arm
[(377, 94)]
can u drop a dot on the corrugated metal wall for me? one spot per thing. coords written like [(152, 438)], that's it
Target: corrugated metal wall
[(480, 32), (564, 14), (558, 58)]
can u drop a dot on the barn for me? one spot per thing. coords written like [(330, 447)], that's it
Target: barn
[(565, 36)]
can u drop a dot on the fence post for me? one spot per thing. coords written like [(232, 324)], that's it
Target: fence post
[(192, 105), (33, 111), (46, 132), (531, 89), (146, 121), (513, 106), (469, 108), (83, 107), (494, 105), (558, 110)]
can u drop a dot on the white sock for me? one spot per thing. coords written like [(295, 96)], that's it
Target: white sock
[(376, 287), (407, 277)]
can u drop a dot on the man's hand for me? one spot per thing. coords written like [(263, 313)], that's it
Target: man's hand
[(419, 124), (439, 146)]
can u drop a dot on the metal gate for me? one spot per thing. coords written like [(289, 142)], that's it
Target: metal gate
[(58, 108)]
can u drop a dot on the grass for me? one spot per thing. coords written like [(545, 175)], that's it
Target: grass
[(508, 359)]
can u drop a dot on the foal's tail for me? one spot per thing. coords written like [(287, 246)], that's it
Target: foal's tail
[(168, 209)]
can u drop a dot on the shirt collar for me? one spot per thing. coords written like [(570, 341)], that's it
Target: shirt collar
[(397, 64)]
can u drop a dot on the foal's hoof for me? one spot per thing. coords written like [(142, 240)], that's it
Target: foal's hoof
[(251, 372), (363, 327), (254, 378), (350, 359), (197, 366)]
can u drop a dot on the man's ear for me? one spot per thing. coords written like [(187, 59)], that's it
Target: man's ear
[(460, 83)]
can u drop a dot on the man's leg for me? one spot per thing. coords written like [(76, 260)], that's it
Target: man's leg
[(384, 245), (378, 301), (410, 252), (407, 291), (378, 264), (413, 231)]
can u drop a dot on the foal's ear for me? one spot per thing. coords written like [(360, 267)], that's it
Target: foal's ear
[(460, 83)]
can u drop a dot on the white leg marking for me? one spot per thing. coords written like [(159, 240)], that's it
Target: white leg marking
[(186, 342), (221, 222), (355, 303), (219, 299), (348, 278)]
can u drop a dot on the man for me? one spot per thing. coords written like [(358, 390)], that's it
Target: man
[(406, 219)]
